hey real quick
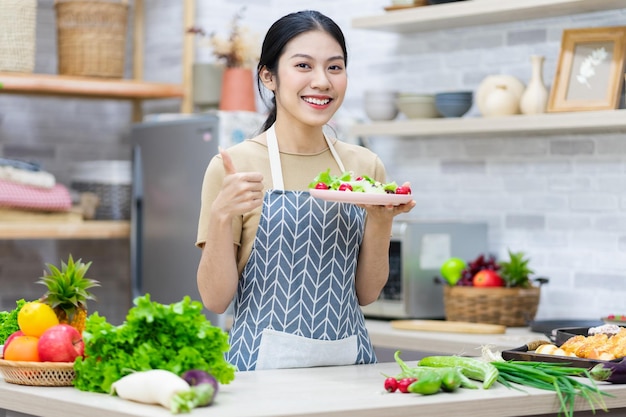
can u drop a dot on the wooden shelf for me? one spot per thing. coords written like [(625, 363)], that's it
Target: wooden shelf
[(102, 88), (478, 12), (548, 123), (93, 229)]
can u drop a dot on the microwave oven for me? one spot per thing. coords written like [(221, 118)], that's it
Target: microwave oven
[(416, 253)]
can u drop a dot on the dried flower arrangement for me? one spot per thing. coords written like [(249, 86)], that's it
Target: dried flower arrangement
[(239, 50)]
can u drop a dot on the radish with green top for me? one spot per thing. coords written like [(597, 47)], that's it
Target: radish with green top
[(158, 386)]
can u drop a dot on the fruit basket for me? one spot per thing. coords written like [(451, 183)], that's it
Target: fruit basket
[(511, 307), (43, 374)]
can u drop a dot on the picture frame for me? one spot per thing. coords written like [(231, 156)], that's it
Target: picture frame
[(590, 70)]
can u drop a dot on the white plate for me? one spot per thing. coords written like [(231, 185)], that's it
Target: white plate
[(361, 198)]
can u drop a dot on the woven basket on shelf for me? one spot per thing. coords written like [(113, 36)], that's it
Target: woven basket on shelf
[(511, 307), (17, 35), (43, 374), (91, 37)]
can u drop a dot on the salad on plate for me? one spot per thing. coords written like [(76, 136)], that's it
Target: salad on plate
[(349, 182), (362, 189)]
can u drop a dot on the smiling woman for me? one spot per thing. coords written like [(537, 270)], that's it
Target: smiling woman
[(285, 293)]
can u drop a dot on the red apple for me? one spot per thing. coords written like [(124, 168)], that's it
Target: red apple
[(487, 278), (60, 343), (11, 337)]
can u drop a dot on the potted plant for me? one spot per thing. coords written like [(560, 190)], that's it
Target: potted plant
[(236, 56)]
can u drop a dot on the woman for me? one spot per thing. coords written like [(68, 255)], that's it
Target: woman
[(300, 266)]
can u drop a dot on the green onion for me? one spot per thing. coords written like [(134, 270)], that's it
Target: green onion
[(553, 377)]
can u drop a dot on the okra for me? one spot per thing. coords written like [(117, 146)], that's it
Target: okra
[(429, 383), (450, 379), (470, 367)]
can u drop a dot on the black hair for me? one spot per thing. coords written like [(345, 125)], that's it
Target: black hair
[(280, 33)]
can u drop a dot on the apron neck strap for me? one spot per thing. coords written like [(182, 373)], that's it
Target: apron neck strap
[(274, 154)]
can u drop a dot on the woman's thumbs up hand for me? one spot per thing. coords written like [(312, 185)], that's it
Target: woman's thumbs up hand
[(241, 191)]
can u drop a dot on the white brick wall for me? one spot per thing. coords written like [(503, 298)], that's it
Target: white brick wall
[(561, 199)]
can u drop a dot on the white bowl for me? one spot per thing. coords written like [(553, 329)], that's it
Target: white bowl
[(377, 95), (381, 107), (418, 107)]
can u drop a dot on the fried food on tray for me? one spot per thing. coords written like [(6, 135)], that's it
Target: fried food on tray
[(550, 349), (597, 346)]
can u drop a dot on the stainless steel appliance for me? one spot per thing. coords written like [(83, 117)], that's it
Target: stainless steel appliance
[(417, 251), (170, 156)]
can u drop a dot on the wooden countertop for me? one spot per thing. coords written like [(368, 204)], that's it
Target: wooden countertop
[(383, 335), (322, 392)]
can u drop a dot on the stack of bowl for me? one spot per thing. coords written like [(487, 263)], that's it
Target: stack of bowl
[(417, 106), (454, 103), (380, 104)]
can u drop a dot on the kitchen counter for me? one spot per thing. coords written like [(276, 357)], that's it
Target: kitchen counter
[(321, 392), (384, 336)]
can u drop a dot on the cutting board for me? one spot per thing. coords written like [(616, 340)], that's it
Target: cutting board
[(447, 326)]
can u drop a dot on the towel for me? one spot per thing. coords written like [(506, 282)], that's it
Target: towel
[(41, 179), (56, 198)]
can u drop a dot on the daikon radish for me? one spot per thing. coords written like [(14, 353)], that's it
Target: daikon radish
[(156, 386)]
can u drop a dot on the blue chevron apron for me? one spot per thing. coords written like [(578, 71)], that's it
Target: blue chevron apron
[(296, 304)]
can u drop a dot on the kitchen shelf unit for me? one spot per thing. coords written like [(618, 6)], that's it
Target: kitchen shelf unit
[(135, 90), (482, 12), (90, 229), (547, 123), (476, 13), (99, 88)]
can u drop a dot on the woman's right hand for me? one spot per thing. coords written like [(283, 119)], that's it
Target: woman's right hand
[(241, 191)]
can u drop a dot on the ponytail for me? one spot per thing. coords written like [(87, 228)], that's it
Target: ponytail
[(271, 116)]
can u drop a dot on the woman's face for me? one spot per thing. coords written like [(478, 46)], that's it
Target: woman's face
[(312, 79)]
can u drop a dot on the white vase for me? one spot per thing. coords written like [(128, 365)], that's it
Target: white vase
[(501, 102), (207, 85), (535, 97)]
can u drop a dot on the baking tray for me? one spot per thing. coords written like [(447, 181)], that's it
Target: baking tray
[(549, 327), (562, 335), (522, 354)]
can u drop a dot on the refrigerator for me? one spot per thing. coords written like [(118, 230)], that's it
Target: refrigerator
[(170, 154)]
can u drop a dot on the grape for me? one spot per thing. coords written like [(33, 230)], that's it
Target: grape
[(481, 262)]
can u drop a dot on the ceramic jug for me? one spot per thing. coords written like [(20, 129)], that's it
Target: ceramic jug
[(501, 102), (237, 90), (535, 97)]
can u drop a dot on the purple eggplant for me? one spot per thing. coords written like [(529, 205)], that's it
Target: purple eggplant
[(203, 383), (613, 372)]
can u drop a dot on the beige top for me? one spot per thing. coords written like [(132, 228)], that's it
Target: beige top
[(298, 172)]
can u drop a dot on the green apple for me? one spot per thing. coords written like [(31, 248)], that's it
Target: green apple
[(451, 270)]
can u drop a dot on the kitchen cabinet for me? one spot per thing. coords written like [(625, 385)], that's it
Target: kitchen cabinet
[(136, 90), (481, 12)]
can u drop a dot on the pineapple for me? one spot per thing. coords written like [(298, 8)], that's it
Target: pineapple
[(68, 291), (516, 272)]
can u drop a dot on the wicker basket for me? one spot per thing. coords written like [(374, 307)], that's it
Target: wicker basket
[(91, 37), (17, 35), (512, 307), (42, 374)]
